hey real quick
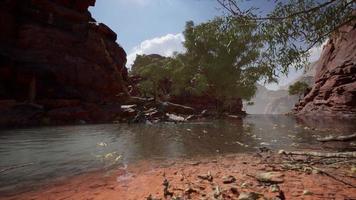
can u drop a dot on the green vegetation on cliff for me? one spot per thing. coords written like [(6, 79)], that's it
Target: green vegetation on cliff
[(298, 88)]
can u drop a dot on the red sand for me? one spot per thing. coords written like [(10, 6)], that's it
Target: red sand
[(145, 178)]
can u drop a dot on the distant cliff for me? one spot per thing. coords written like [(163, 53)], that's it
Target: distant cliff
[(265, 102), (55, 56), (279, 101), (334, 91)]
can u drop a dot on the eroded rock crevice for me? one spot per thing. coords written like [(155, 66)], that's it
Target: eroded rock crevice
[(334, 91)]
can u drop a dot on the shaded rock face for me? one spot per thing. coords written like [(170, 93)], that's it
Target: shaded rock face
[(54, 54), (59, 49), (334, 92)]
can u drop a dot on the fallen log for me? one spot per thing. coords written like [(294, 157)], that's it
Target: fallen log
[(351, 154), (337, 138), (139, 101), (169, 107)]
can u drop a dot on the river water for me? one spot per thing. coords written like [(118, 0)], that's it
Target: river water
[(35, 155)]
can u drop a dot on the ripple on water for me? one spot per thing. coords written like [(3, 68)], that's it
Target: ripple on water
[(70, 150)]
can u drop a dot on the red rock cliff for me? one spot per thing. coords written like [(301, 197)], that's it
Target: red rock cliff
[(58, 49), (56, 57), (334, 92)]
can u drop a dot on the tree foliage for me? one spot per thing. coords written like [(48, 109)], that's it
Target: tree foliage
[(226, 56), (153, 69), (299, 88), (224, 51), (221, 61), (293, 28)]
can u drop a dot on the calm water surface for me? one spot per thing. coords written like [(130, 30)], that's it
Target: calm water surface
[(51, 152)]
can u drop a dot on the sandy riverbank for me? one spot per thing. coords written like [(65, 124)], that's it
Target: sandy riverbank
[(204, 179)]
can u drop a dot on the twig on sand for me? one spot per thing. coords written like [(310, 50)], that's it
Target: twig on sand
[(338, 138), (323, 156), (334, 177), (351, 154)]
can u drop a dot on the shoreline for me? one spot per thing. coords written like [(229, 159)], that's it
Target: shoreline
[(221, 177)]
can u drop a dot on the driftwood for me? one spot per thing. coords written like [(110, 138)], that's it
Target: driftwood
[(139, 100), (338, 138), (351, 154), (164, 105), (177, 108)]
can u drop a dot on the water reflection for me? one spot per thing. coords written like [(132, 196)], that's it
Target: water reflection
[(69, 150)]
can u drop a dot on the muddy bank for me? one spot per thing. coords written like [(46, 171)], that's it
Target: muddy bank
[(267, 175), (76, 112)]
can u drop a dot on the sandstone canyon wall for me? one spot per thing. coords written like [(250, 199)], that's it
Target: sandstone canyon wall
[(54, 55), (334, 91)]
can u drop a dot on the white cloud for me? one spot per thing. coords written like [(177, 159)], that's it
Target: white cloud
[(165, 46), (315, 52)]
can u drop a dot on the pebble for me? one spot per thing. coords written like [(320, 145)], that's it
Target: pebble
[(229, 179), (249, 196), (274, 188), (307, 192)]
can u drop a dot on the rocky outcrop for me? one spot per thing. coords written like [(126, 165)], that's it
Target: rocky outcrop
[(55, 55), (334, 92)]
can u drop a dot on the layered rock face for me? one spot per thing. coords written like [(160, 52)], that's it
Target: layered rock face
[(334, 92), (54, 54)]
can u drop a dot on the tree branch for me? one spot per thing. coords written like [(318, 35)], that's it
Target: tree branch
[(239, 13), (328, 33)]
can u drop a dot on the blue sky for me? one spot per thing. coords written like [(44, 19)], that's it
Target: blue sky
[(139, 20), (155, 26)]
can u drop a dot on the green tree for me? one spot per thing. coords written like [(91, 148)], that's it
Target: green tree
[(225, 54), (299, 88), (221, 60), (293, 28), (153, 69), (185, 78)]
